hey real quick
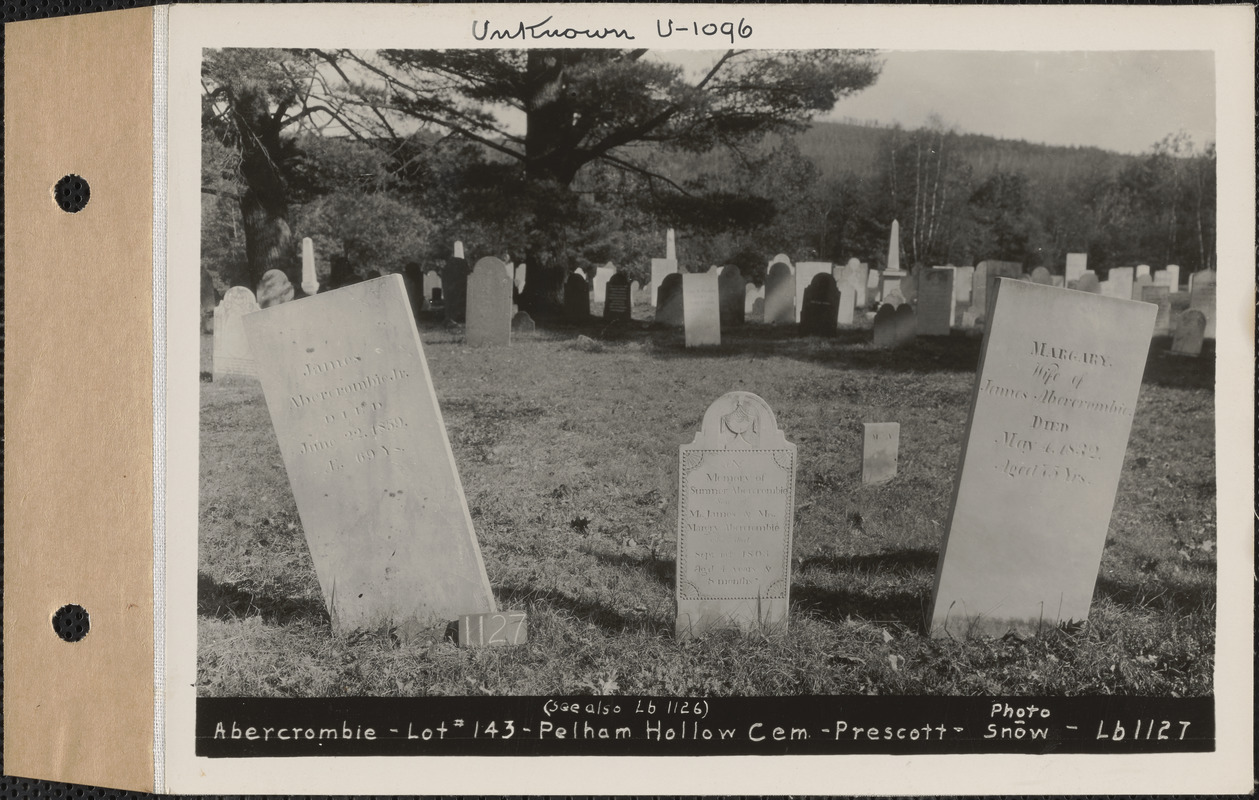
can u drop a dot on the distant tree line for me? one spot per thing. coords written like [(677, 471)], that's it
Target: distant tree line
[(386, 158)]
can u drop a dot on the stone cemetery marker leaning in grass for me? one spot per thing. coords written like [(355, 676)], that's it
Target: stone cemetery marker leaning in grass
[(735, 505), (701, 309), (489, 305), (880, 444), (1059, 374), (368, 460), (1191, 327)]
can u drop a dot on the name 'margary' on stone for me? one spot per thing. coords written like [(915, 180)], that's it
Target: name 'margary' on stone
[(367, 457), (735, 507), (1052, 407)]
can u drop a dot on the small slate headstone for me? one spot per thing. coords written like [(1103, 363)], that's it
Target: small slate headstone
[(489, 305), (1088, 283), (880, 445), (521, 322), (780, 295), (758, 307), (1191, 327), (616, 301), (750, 294), (731, 286), (1041, 275), (231, 352), (936, 301), (576, 298), (906, 325), (885, 326), (455, 288), (701, 309), (820, 309), (735, 508), (274, 289), (368, 460), (1057, 385), (669, 301), (805, 270)]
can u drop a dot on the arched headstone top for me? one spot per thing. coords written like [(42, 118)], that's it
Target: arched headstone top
[(740, 420)]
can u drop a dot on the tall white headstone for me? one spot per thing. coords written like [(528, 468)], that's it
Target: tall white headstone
[(670, 247), (894, 248), (701, 309), (1076, 264), (458, 249)]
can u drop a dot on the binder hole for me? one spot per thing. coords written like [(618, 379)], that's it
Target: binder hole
[(71, 623), (72, 193)]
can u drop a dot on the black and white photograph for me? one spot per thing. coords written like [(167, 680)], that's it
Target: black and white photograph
[(577, 391)]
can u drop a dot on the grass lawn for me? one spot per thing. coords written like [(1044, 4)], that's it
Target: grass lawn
[(569, 455)]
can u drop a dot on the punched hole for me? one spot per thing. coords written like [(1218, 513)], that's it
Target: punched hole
[(71, 623), (72, 193)]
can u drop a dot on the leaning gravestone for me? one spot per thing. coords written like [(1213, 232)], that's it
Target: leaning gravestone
[(936, 301), (820, 309), (1191, 326), (576, 298), (231, 352), (1161, 297), (489, 305), (780, 295), (735, 505), (669, 302), (616, 299), (275, 288), (455, 288), (731, 286), (701, 309), (368, 460), (1059, 374), (879, 446), (885, 326)]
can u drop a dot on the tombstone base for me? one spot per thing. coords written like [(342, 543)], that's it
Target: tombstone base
[(697, 617), (960, 626)]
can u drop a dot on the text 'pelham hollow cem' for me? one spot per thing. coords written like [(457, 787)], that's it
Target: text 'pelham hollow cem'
[(737, 488), (1053, 403), (367, 457)]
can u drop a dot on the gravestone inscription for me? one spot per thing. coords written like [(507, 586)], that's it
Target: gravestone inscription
[(617, 306), (367, 457), (735, 507), (1051, 410), (879, 449)]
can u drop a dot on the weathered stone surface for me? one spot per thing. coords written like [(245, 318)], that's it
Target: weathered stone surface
[(885, 326), (489, 305), (521, 322), (963, 283), (617, 303), (1120, 280), (576, 298), (1190, 329), (730, 285), (310, 281), (852, 274), (433, 287), (669, 302), (820, 309), (661, 268), (701, 309), (274, 289), (231, 352), (1088, 283), (368, 460), (879, 449), (1202, 298), (1161, 297), (1138, 286), (906, 325), (894, 248), (751, 293), (1041, 275), (1052, 407), (936, 301), (805, 270), (780, 295), (847, 305), (1077, 263), (987, 273), (599, 284), (735, 510)]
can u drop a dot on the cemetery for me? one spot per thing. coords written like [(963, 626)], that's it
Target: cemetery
[(695, 471)]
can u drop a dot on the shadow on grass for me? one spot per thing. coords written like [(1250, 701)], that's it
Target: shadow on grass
[(661, 569), (908, 609), (896, 562), (1163, 368), (229, 602), (601, 616), (1162, 596)]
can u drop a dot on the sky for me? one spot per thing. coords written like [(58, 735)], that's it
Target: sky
[(1117, 100)]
